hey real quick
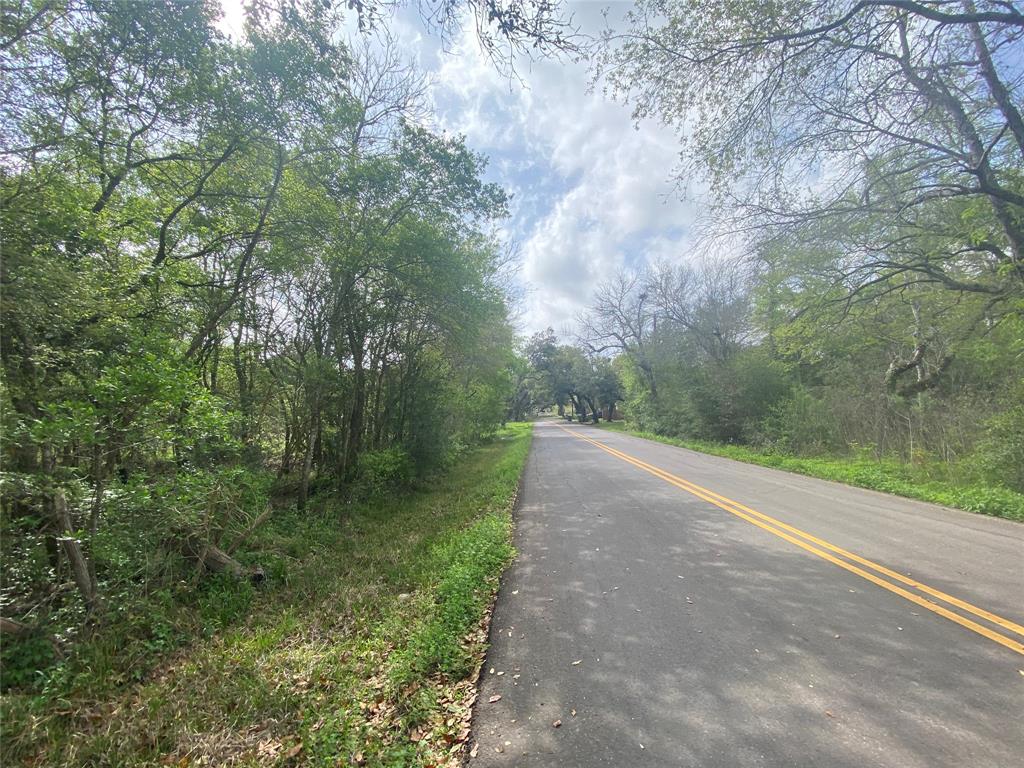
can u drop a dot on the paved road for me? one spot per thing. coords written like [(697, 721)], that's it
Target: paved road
[(682, 634)]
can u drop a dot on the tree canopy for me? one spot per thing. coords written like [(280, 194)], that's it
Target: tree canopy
[(219, 257)]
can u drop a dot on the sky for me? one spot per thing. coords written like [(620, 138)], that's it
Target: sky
[(591, 190)]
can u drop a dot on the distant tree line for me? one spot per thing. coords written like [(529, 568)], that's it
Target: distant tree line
[(564, 376)]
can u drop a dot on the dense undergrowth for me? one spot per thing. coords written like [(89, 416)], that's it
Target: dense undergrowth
[(359, 646), (928, 481)]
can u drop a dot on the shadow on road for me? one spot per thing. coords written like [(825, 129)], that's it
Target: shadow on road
[(681, 635)]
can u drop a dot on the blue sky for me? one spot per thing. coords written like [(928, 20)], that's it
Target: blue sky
[(591, 190)]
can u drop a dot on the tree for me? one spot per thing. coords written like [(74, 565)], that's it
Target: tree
[(709, 301), (622, 319), (223, 258), (891, 129)]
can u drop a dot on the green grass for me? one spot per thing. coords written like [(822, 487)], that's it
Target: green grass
[(885, 475), (362, 651)]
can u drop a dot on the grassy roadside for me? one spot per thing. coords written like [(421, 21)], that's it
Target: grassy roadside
[(365, 655), (864, 472)]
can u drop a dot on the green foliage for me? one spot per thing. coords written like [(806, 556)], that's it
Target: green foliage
[(473, 559), (568, 376), (865, 472), (223, 260), (224, 600), (1000, 453), (348, 618), (801, 424), (23, 661), (381, 472), (728, 401)]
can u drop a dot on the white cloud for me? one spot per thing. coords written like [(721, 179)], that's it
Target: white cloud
[(597, 189), (591, 190)]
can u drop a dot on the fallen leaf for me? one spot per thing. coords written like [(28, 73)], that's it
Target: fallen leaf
[(828, 713), (577, 662), (556, 724), (494, 698), (293, 751), (492, 670), (475, 749), (500, 674), (515, 591), (573, 713), (499, 749)]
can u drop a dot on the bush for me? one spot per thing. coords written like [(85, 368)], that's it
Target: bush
[(22, 660), (378, 472), (802, 424), (1000, 454), (150, 599)]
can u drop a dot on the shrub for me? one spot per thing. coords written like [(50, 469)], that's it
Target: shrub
[(802, 424), (1000, 454), (378, 472)]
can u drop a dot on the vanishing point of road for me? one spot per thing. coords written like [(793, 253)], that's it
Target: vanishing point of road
[(669, 608)]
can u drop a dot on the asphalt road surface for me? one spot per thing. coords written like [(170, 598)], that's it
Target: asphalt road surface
[(662, 624)]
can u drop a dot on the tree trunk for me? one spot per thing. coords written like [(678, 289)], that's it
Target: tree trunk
[(72, 547), (13, 628), (286, 456), (99, 478), (210, 558), (253, 527), (356, 415), (307, 462)]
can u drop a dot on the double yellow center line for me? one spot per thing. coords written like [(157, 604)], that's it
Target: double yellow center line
[(839, 556)]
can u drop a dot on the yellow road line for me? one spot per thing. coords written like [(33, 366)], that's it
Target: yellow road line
[(778, 528), (980, 612)]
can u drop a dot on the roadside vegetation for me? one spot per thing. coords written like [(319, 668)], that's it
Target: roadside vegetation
[(925, 482), (853, 306), (254, 314), (361, 647)]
